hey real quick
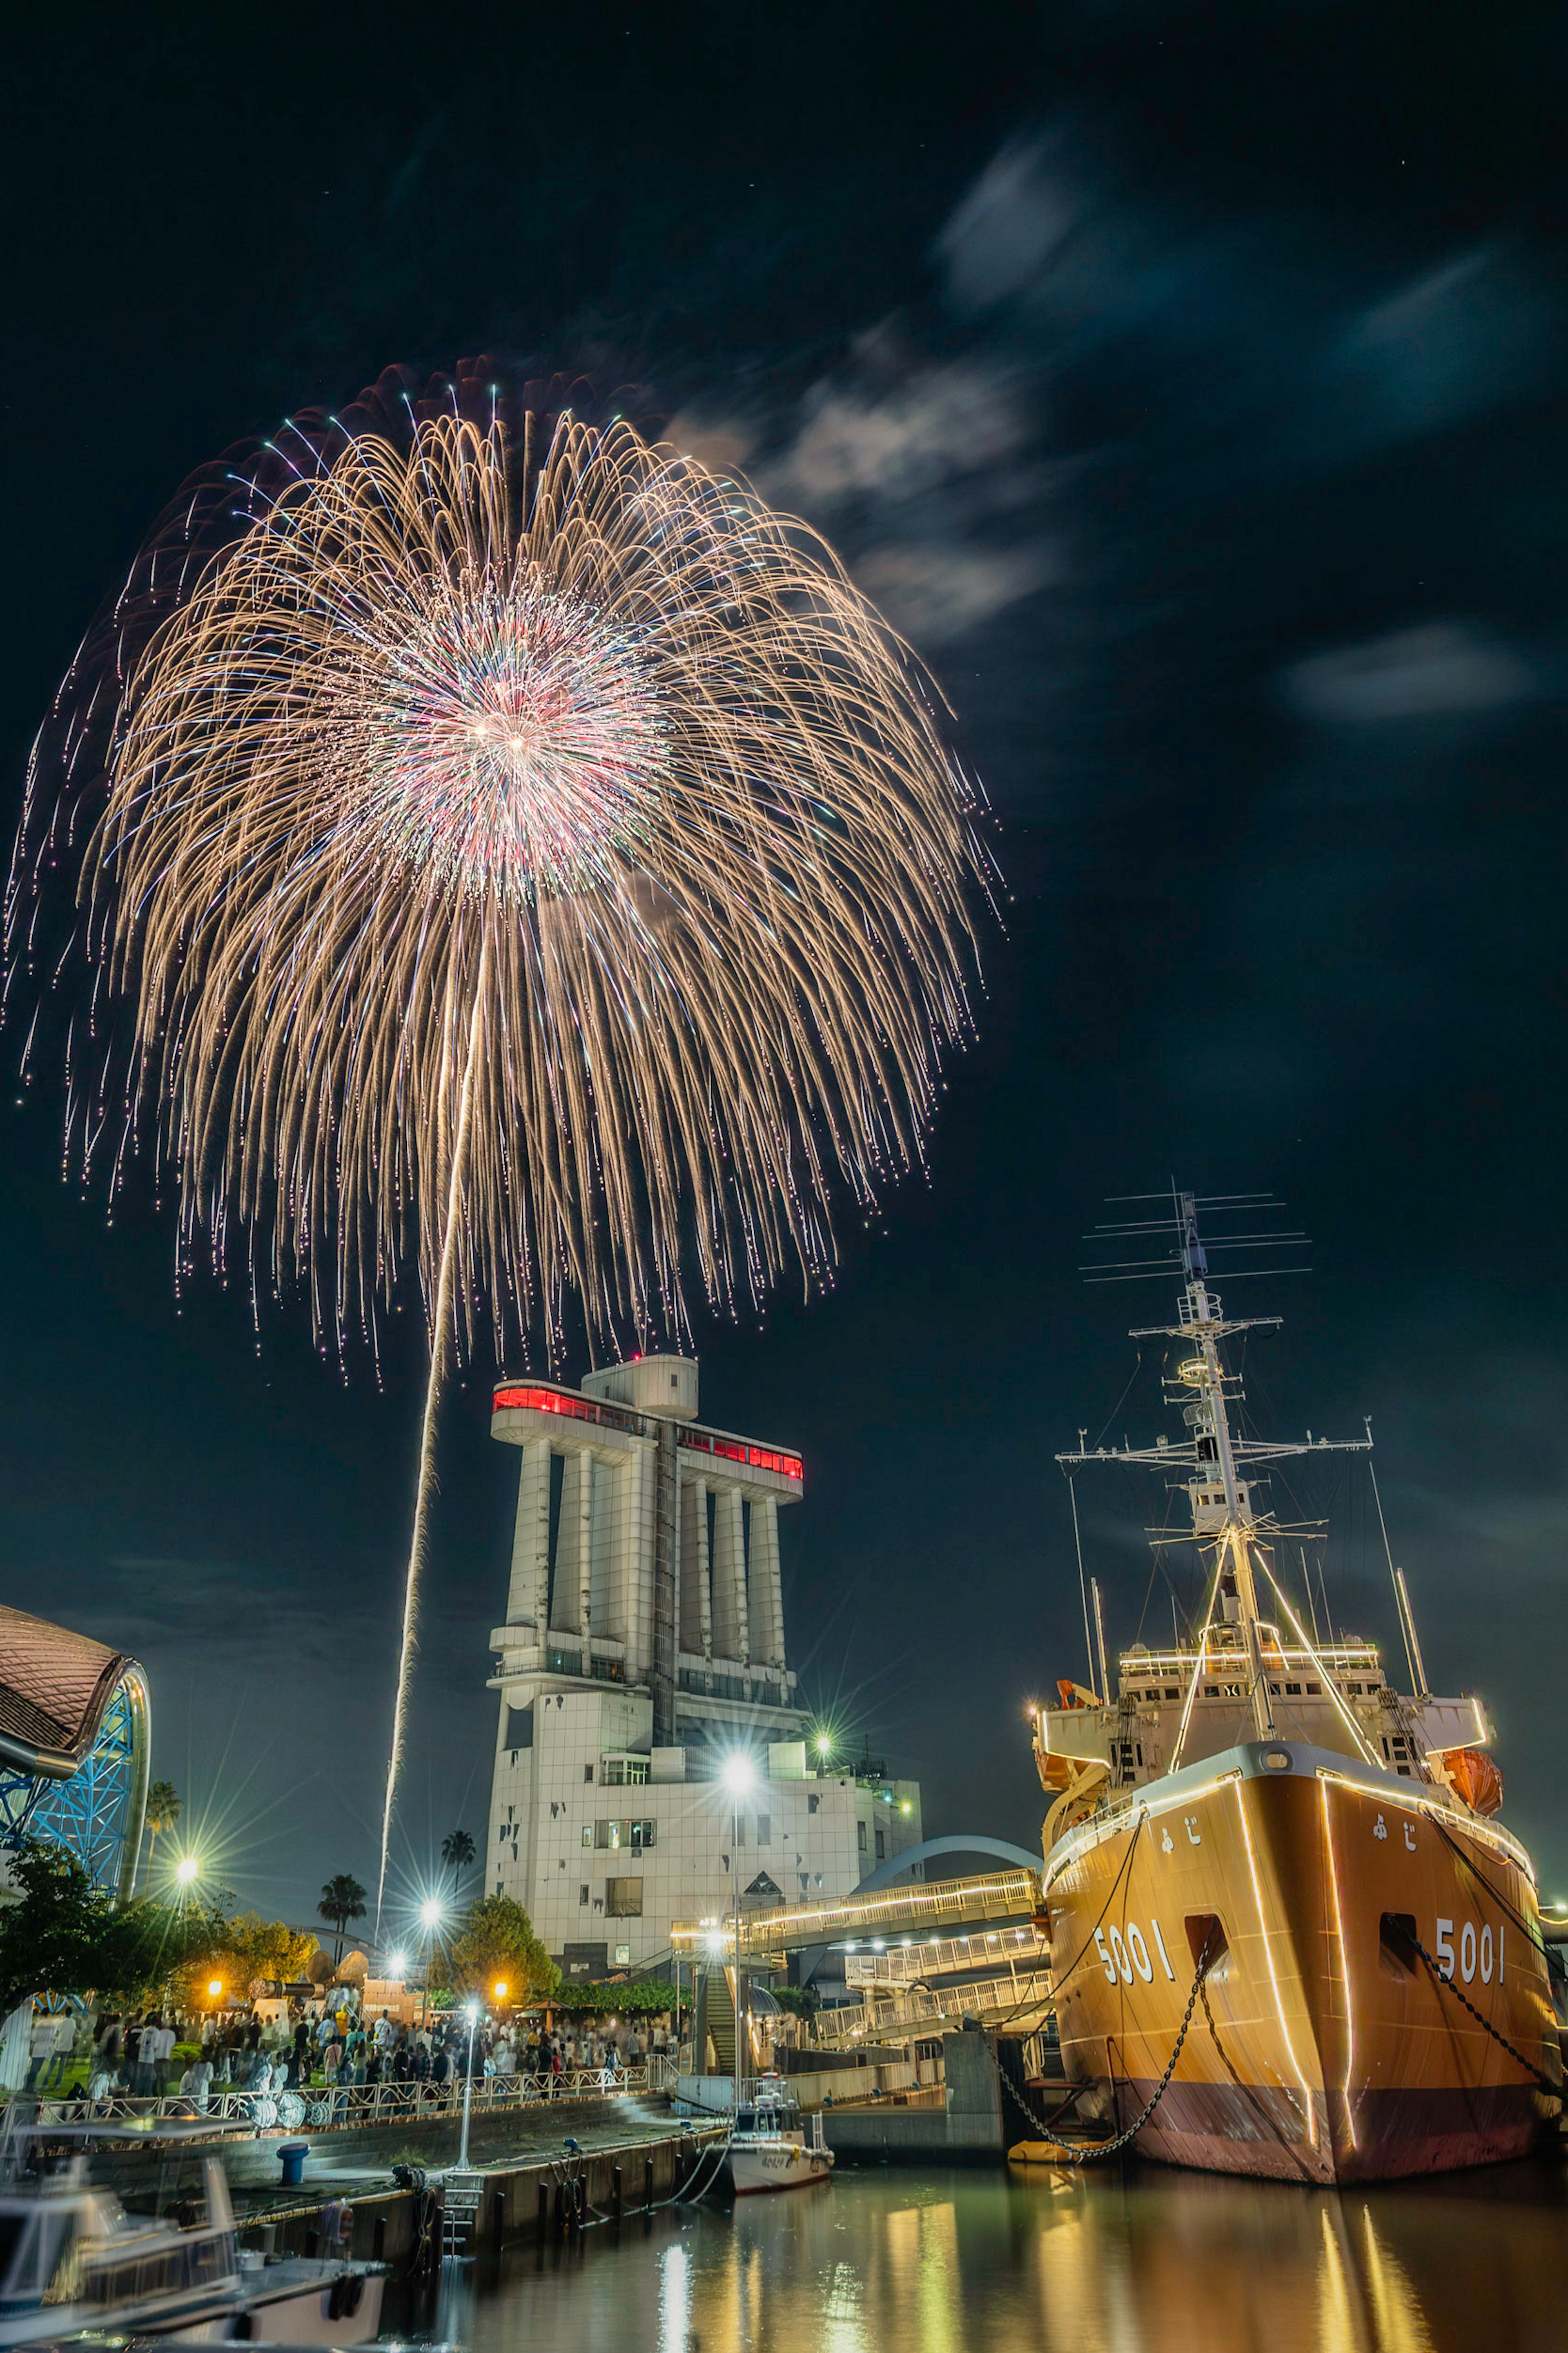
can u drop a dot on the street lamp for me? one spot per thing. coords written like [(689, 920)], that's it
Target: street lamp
[(471, 2012), (185, 1869), (824, 1743), (429, 1920), (398, 1964), (738, 1778), (498, 1989)]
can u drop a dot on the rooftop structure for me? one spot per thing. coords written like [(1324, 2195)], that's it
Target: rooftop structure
[(644, 1642), (74, 1726)]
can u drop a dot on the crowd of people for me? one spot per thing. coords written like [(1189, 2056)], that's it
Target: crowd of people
[(340, 2056)]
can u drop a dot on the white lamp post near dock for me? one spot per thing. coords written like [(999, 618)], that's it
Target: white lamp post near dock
[(739, 1777)]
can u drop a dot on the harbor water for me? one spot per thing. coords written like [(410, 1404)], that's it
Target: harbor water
[(1152, 2261)]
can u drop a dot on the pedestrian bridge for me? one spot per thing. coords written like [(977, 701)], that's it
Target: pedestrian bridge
[(877, 1910)]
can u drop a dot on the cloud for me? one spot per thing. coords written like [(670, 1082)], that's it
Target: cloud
[(1438, 670), (934, 592)]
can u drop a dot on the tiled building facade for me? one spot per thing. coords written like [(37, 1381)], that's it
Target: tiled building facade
[(645, 1643)]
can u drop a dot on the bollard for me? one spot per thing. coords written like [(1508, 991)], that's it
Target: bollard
[(542, 2216), (378, 2250), (616, 2202), (311, 2243), (561, 2210), (498, 2220), (648, 2185), (582, 2200)]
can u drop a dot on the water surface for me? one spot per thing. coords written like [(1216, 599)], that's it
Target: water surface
[(971, 2262)]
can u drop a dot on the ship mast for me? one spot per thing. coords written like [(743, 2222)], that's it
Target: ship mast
[(1219, 1495)]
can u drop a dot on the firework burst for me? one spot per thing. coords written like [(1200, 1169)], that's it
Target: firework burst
[(522, 854)]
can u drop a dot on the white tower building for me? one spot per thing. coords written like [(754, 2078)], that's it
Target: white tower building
[(645, 1641)]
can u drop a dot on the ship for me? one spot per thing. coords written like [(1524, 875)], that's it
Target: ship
[(1290, 1936)]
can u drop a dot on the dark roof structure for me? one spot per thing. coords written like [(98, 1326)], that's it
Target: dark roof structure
[(55, 1687)]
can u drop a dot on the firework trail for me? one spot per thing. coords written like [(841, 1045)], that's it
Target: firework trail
[(520, 855)]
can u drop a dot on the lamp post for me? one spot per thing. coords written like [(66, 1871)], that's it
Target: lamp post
[(429, 1920), (472, 2014), (738, 1778)]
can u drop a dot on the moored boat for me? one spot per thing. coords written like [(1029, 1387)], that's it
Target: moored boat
[(773, 2147), (1288, 1935), (73, 2262)]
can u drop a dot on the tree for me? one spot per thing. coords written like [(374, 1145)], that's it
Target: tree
[(641, 1997), (458, 1852), (164, 1807), (342, 1900), (497, 1944), (64, 1936), (242, 1953)]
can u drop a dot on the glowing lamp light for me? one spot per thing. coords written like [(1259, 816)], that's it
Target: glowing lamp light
[(215, 1987), (187, 1869), (498, 1989), (471, 2012), (906, 1806), (824, 1743), (738, 1775), (399, 1965), (430, 1914)]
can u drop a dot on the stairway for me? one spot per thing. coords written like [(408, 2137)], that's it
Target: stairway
[(462, 2195), (721, 2019)]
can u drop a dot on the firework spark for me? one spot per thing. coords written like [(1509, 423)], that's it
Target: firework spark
[(523, 855)]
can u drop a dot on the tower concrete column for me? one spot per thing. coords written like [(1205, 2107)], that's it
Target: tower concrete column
[(574, 1545), (764, 1585), (731, 1636), (527, 1596), (696, 1592)]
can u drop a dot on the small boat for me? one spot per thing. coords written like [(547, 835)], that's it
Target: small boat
[(72, 2260), (773, 2147)]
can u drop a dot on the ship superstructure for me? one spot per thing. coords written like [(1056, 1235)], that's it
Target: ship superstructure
[(1261, 1817)]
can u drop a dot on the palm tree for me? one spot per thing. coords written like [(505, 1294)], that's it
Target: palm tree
[(342, 1900), (164, 1807), (458, 1852)]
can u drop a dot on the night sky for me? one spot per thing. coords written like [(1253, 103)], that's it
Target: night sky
[(1191, 388)]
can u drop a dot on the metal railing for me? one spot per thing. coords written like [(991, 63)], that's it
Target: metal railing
[(342, 2107), (998, 1894), (1026, 1947), (918, 2010)]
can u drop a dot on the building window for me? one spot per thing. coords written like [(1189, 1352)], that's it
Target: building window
[(812, 1804), (622, 1899), (582, 1895), (623, 1772), (564, 1663), (587, 1833), (860, 1836), (588, 1772), (615, 1835), (764, 1830), (519, 1728), (608, 1670), (882, 1846)]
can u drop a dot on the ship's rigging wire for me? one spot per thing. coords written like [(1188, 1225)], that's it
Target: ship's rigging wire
[(1082, 1588)]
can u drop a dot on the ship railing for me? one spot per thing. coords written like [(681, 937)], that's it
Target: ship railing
[(920, 2010), (340, 2106)]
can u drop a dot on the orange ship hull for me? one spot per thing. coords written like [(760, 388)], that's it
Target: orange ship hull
[(1322, 2046)]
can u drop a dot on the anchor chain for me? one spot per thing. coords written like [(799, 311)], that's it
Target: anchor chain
[(1439, 1979), (1102, 2150)]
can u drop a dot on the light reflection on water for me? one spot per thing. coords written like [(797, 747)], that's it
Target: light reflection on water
[(973, 2262)]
